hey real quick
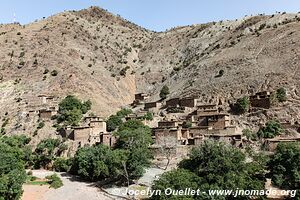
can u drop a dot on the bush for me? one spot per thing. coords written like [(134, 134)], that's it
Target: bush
[(62, 165), (221, 73), (164, 92), (281, 95), (148, 116), (113, 122), (98, 163), (54, 73), (40, 125), (54, 181)]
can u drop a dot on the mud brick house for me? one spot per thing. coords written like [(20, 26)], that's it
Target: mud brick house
[(47, 99), (175, 102), (141, 97), (81, 134), (169, 124), (215, 120), (261, 100), (92, 118), (271, 144), (174, 134), (47, 114), (108, 139), (152, 106), (190, 102), (206, 109)]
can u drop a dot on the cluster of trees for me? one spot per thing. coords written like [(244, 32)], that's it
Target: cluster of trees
[(12, 166), (71, 110), (285, 168), (214, 165)]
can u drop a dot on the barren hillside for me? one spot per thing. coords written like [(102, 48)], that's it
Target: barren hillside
[(96, 55)]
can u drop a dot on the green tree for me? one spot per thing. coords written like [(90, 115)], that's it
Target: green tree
[(284, 166), (135, 137), (45, 152), (164, 92), (270, 130), (178, 179), (72, 109), (221, 166), (12, 171), (242, 105), (98, 163), (113, 122)]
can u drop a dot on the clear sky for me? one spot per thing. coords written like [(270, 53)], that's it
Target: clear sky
[(152, 14)]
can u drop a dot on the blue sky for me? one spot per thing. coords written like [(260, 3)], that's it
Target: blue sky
[(152, 14)]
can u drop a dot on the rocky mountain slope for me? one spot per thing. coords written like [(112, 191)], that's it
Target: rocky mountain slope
[(99, 56)]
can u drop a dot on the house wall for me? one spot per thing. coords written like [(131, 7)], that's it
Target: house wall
[(261, 103), (108, 140), (188, 102), (45, 114), (82, 134), (152, 105), (98, 126), (167, 124), (173, 102)]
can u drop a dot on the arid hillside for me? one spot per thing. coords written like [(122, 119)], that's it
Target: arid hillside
[(96, 55)]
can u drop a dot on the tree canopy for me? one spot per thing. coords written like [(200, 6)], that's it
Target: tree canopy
[(216, 165), (12, 167), (72, 109)]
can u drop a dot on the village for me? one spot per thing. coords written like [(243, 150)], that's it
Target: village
[(177, 125)]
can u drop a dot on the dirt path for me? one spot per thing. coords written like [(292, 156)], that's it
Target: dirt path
[(73, 189)]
